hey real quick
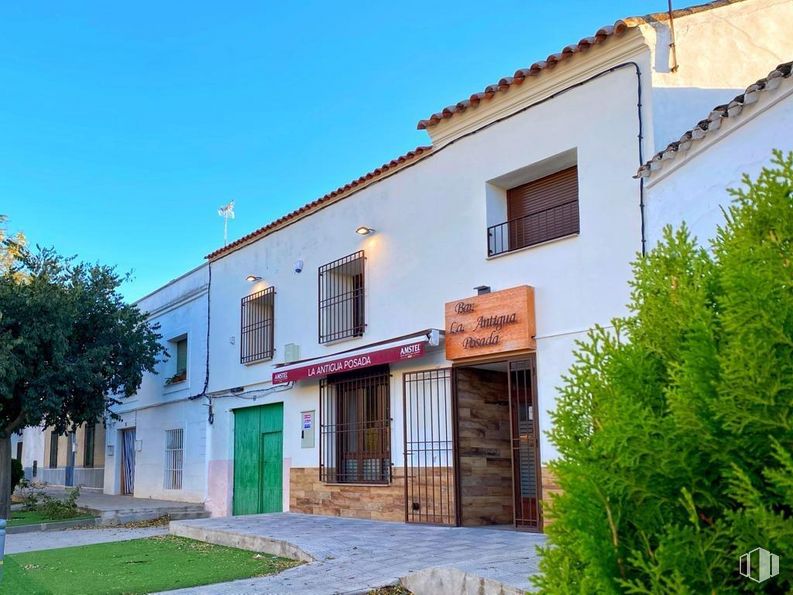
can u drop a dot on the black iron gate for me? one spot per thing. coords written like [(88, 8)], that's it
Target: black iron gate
[(526, 475), (430, 447)]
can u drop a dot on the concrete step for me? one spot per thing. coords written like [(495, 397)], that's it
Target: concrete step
[(134, 515)]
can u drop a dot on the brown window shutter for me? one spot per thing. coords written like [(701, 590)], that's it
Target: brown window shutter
[(543, 209)]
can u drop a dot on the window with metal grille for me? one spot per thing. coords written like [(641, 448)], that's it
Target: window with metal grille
[(174, 459), (53, 450), (537, 212), (355, 427), (89, 439), (257, 322), (341, 298)]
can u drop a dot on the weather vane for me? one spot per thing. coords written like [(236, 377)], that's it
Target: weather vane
[(227, 212)]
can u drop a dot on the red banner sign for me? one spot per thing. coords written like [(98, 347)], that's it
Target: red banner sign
[(350, 363)]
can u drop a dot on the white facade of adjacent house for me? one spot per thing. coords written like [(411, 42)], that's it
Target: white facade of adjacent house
[(689, 184), (162, 408), (462, 226)]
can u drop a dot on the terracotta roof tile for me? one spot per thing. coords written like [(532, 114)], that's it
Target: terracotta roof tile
[(415, 154), (716, 117), (535, 69)]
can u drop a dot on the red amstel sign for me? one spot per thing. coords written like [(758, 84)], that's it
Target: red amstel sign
[(350, 363)]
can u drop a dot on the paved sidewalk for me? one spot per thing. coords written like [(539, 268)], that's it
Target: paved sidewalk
[(353, 555), (31, 542)]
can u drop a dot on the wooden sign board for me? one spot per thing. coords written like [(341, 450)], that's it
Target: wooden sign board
[(491, 323)]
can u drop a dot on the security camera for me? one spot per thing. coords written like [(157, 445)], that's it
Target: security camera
[(299, 266)]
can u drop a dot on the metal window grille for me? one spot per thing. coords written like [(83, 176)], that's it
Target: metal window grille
[(341, 298), (174, 459), (257, 320), (355, 427), (88, 445), (53, 450)]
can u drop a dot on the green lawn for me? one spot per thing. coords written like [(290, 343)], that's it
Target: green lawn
[(31, 517), (138, 566)]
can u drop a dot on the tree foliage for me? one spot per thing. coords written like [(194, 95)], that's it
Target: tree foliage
[(69, 345), (675, 428)]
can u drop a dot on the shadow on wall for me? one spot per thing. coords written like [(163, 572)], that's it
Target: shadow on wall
[(678, 109)]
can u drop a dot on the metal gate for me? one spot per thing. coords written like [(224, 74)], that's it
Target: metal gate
[(526, 476), (430, 447)]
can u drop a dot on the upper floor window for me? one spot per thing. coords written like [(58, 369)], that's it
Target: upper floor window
[(539, 211), (178, 347), (257, 322), (341, 298)]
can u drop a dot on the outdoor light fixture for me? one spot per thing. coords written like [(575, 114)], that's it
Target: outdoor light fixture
[(364, 231), (252, 278)]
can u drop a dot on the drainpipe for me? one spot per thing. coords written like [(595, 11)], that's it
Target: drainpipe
[(595, 76)]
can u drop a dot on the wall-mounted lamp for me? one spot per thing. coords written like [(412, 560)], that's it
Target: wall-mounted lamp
[(364, 231), (252, 278), (482, 289)]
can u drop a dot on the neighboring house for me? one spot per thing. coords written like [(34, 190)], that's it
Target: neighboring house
[(27, 445), (157, 449), (73, 459), (688, 180)]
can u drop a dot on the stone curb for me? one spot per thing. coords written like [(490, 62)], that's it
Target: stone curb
[(253, 543), (53, 526)]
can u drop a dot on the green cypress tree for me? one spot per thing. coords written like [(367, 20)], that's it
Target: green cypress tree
[(675, 427)]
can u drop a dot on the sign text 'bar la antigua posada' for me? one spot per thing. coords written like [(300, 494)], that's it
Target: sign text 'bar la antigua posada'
[(498, 322)]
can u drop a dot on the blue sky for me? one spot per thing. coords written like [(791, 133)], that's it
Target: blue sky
[(124, 126)]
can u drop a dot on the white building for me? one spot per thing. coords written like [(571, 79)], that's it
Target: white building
[(392, 350), (157, 449), (688, 180)]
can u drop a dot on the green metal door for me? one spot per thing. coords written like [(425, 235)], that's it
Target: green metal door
[(258, 459)]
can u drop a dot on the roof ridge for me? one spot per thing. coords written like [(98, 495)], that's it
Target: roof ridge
[(346, 189), (715, 118), (618, 28)]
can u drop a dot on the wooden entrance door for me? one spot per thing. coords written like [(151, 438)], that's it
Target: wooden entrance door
[(128, 461), (525, 444), (258, 459)]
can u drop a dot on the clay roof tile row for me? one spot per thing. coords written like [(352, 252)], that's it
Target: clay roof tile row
[(522, 74), (342, 190), (715, 119), (535, 69)]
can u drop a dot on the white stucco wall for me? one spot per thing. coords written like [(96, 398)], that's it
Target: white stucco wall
[(719, 53), (179, 308), (693, 186), (430, 248)]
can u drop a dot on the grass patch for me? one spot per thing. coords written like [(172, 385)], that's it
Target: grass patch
[(34, 517), (129, 567)]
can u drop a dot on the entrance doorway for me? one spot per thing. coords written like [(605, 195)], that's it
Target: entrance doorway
[(258, 459), (128, 461), (472, 445)]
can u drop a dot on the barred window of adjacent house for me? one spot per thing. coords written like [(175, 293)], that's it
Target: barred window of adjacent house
[(174, 459), (257, 315), (88, 445), (341, 298), (53, 450), (355, 427)]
